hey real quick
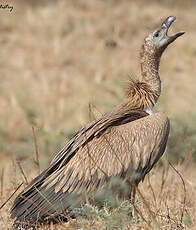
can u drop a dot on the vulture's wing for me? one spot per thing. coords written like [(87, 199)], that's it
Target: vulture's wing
[(135, 145), (104, 148)]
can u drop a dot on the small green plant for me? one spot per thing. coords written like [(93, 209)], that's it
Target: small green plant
[(182, 139), (187, 220), (108, 216)]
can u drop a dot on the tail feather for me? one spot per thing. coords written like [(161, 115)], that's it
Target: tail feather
[(37, 203)]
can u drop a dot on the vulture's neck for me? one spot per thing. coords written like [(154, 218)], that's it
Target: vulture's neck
[(150, 60), (143, 94)]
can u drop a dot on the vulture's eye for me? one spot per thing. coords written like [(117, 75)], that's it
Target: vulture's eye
[(156, 34)]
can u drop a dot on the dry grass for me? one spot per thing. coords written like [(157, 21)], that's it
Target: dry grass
[(58, 57), (162, 203)]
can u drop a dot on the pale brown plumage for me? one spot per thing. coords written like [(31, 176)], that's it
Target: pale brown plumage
[(125, 141)]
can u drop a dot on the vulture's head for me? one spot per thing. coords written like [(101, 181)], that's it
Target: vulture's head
[(157, 41)]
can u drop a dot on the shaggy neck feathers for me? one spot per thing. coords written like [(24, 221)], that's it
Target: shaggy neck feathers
[(141, 96)]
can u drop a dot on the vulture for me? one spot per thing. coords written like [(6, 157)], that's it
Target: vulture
[(125, 143)]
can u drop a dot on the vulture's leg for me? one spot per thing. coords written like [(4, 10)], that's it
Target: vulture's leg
[(132, 193), (132, 198)]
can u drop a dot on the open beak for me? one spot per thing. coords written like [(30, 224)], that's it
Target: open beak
[(165, 26)]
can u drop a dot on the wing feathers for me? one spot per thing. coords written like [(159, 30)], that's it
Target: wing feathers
[(115, 145), (132, 145)]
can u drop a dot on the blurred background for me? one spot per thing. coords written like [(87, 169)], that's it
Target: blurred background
[(64, 63)]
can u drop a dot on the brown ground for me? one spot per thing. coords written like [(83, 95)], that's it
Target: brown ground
[(58, 57)]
